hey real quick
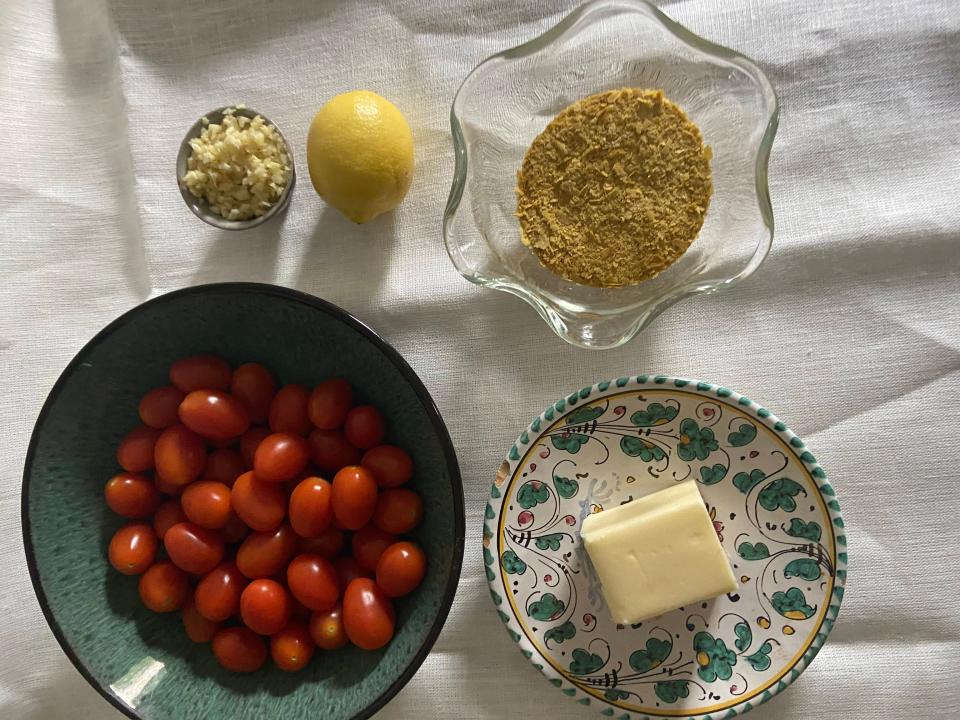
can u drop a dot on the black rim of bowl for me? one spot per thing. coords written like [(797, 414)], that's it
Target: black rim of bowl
[(392, 355)]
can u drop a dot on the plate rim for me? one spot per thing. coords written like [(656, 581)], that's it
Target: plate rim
[(351, 321), (529, 436)]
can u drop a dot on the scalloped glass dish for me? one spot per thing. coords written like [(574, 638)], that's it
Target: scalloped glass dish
[(508, 99)]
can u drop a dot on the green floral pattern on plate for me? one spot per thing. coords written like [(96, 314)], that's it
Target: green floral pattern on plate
[(773, 510)]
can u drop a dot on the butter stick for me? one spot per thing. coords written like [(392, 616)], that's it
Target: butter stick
[(656, 554)]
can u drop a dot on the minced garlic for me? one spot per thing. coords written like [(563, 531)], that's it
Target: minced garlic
[(240, 166), (615, 189)]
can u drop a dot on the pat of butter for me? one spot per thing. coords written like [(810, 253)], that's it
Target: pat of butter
[(657, 553)]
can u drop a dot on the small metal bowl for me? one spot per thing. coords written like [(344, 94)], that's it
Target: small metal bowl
[(199, 206)]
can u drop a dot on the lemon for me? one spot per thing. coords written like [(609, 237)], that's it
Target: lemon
[(360, 154)]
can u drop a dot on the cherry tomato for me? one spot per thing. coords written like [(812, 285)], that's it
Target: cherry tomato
[(401, 568), (239, 649), (329, 403), (288, 411), (225, 466), (264, 554), (364, 426), (199, 629), (135, 452), (133, 548), (326, 629), (328, 544), (330, 450), (310, 509), (313, 581), (167, 515), (193, 548), (368, 616), (207, 503), (354, 497), (132, 496), (180, 455), (167, 488), (261, 505), (265, 606), (280, 457), (348, 570), (164, 587), (254, 386), (201, 372), (398, 510), (390, 465), (214, 415), (292, 648), (218, 593), (368, 545), (158, 408), (250, 441), (235, 529)]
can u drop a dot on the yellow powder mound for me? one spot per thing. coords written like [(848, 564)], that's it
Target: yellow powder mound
[(615, 188)]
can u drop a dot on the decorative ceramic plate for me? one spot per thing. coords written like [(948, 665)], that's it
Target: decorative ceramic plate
[(775, 513)]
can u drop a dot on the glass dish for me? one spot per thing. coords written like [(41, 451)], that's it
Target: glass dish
[(508, 99)]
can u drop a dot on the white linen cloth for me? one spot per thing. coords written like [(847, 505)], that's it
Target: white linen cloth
[(850, 331)]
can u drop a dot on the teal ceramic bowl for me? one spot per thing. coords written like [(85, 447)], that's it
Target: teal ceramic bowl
[(142, 662)]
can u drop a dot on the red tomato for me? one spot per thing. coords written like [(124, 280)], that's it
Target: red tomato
[(265, 606), (313, 581), (401, 568), (207, 503), (328, 544), (326, 629), (288, 411), (329, 403), (225, 466), (310, 509), (218, 593), (264, 554), (292, 648), (367, 614), (164, 587), (261, 505), (158, 409), (390, 465), (201, 372), (354, 497), (199, 629), (135, 452), (368, 545), (132, 496), (180, 455), (167, 515), (214, 415), (250, 441), (398, 510), (348, 570), (364, 426), (280, 457), (235, 529), (239, 649), (167, 488), (254, 386), (193, 548), (330, 450), (133, 548)]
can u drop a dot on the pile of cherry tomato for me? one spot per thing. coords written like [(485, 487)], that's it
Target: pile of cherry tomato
[(234, 525)]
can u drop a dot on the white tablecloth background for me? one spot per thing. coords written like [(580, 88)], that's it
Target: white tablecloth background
[(850, 331)]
